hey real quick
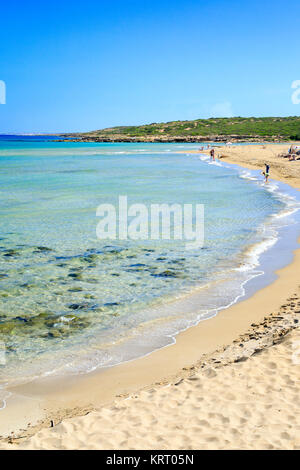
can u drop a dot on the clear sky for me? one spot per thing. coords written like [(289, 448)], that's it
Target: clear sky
[(71, 66)]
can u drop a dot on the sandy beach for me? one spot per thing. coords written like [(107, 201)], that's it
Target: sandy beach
[(231, 382), (254, 157)]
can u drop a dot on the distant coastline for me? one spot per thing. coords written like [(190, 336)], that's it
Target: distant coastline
[(235, 129), (172, 140), (81, 138)]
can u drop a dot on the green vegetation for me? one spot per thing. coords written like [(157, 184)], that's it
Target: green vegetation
[(282, 127)]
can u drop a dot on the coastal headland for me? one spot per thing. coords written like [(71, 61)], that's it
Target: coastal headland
[(237, 129)]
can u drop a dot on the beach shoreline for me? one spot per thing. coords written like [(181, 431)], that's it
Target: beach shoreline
[(253, 157), (252, 322)]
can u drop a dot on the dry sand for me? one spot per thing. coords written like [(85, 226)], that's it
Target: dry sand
[(232, 382), (245, 404)]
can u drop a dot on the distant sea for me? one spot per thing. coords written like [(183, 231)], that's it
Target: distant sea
[(27, 137), (72, 303)]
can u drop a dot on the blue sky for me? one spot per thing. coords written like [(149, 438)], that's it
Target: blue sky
[(71, 66)]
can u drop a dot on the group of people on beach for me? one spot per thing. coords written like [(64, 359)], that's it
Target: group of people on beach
[(265, 173), (293, 152), (212, 152)]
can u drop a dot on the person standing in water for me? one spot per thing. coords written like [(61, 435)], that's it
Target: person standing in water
[(212, 154), (267, 172)]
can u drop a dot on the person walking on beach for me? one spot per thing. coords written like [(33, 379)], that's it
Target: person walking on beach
[(266, 173)]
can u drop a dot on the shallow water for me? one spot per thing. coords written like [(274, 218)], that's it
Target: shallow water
[(70, 302)]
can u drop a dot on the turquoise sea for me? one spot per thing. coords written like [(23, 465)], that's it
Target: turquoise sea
[(70, 303)]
